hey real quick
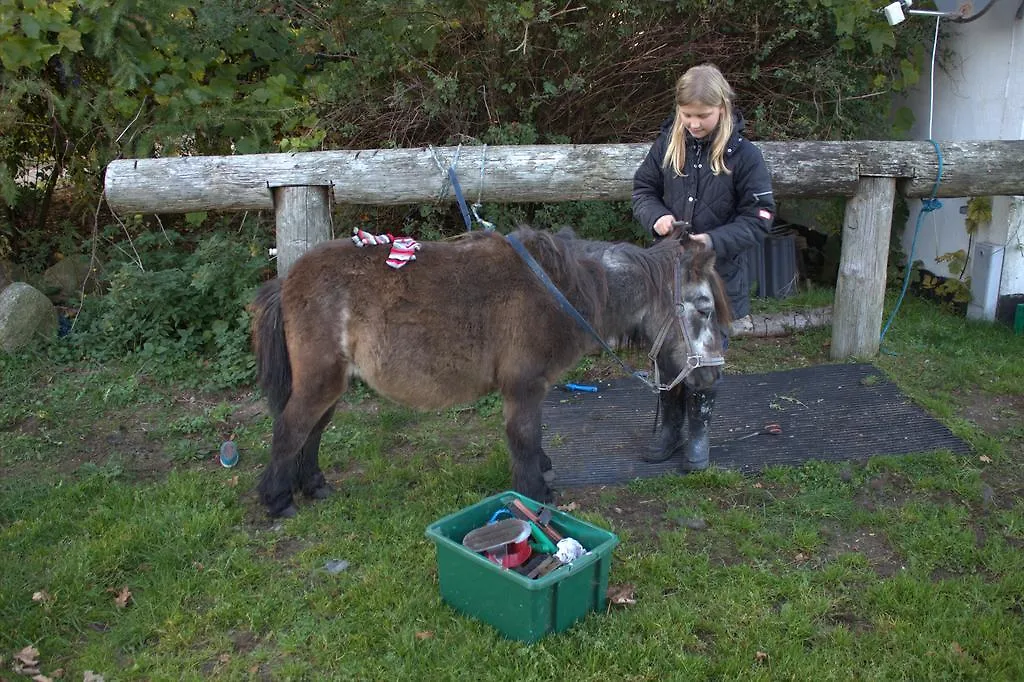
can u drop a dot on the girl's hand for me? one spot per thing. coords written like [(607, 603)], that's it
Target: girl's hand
[(663, 225)]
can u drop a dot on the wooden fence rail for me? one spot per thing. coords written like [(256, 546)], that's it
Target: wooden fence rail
[(299, 188)]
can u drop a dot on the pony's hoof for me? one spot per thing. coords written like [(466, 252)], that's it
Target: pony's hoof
[(288, 512), (322, 493), (546, 496)]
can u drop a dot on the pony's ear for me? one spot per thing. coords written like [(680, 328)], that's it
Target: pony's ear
[(687, 241)]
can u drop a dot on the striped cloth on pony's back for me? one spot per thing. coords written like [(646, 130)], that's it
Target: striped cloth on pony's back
[(403, 249)]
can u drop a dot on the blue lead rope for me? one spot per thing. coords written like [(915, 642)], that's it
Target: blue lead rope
[(458, 195), (927, 206), (534, 266)]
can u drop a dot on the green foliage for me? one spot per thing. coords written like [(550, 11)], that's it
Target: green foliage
[(181, 306), (541, 70), (948, 288), (979, 212), (86, 82)]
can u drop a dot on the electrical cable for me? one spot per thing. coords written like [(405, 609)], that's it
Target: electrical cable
[(970, 242), (979, 15), (927, 205)]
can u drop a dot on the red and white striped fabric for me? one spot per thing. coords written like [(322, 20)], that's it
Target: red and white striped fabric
[(402, 251), (363, 238)]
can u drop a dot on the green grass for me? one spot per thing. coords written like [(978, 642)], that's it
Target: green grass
[(899, 568)]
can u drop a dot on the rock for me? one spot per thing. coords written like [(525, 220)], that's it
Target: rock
[(9, 272), (63, 280), (25, 314), (695, 523)]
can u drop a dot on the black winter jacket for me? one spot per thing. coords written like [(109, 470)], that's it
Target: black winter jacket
[(736, 209)]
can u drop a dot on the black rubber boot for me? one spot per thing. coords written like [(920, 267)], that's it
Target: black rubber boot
[(699, 408), (669, 440)]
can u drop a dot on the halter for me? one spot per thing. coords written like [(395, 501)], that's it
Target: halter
[(693, 359)]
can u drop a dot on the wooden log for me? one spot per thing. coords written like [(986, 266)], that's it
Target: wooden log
[(766, 325), (969, 169), (540, 173), (303, 219), (860, 288)]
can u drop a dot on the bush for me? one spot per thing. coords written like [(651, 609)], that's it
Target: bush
[(193, 308)]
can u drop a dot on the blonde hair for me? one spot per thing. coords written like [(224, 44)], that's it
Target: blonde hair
[(704, 85)]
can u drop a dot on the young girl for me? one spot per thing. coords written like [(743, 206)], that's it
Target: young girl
[(704, 177)]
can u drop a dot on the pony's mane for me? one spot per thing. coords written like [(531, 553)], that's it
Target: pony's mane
[(575, 266), (577, 275), (658, 264)]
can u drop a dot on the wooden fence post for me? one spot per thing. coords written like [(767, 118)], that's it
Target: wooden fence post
[(303, 220), (860, 289)]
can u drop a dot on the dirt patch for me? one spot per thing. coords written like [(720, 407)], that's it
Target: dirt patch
[(872, 545), (133, 442), (994, 414), (642, 518)]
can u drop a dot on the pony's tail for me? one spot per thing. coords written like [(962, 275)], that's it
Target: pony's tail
[(273, 367)]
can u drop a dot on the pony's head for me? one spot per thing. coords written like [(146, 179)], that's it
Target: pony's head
[(693, 345)]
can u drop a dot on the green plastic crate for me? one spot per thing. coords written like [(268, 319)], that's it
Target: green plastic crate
[(519, 607)]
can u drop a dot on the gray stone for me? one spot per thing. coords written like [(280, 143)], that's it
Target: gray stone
[(64, 279), (25, 314), (10, 272)]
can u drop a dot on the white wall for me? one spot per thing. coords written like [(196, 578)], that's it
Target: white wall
[(978, 95)]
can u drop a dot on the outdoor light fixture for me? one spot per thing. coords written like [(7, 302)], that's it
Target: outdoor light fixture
[(896, 12)]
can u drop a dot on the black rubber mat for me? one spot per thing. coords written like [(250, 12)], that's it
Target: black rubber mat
[(829, 412)]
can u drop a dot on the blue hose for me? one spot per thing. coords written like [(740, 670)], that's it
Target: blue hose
[(927, 206)]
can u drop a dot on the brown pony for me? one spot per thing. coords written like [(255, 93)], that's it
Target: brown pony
[(466, 318)]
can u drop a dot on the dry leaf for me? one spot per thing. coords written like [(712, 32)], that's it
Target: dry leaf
[(232, 482), (26, 661), (90, 676), (571, 507), (424, 634), (621, 595), (41, 678), (986, 459), (800, 556), (758, 485), (957, 649), (761, 657), (122, 598), (42, 596)]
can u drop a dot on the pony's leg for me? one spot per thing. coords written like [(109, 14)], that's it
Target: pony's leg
[(546, 468), (311, 478), (308, 407), (523, 429), (280, 476)]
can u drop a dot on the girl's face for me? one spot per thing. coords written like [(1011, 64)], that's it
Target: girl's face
[(700, 119)]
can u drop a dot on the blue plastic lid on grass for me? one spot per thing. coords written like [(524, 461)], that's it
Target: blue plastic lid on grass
[(228, 454)]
